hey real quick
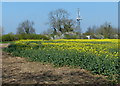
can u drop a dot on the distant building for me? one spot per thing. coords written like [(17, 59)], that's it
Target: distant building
[(89, 37)]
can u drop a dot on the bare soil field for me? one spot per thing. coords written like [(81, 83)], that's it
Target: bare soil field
[(17, 70)]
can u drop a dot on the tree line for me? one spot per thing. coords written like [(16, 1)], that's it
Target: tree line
[(60, 23)]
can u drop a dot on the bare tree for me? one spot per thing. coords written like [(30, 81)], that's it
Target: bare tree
[(26, 27), (58, 18), (48, 31), (107, 30), (91, 30)]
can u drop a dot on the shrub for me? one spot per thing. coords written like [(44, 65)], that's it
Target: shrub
[(67, 36), (0, 38), (13, 37), (8, 37)]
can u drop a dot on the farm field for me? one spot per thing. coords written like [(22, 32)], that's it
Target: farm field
[(100, 56)]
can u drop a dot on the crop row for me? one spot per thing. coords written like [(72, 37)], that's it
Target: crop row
[(97, 56)]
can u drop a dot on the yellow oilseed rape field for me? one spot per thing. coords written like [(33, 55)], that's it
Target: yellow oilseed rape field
[(100, 56)]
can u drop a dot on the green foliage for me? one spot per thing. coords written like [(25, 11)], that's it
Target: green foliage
[(51, 54), (0, 38), (31, 36), (8, 37), (67, 36), (13, 37)]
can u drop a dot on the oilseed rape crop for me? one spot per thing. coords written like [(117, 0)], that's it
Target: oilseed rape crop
[(100, 56)]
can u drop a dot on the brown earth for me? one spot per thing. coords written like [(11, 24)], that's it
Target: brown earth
[(17, 70)]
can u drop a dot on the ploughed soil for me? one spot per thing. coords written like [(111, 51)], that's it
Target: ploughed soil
[(17, 70)]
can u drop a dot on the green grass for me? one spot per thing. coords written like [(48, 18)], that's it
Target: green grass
[(7, 42)]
